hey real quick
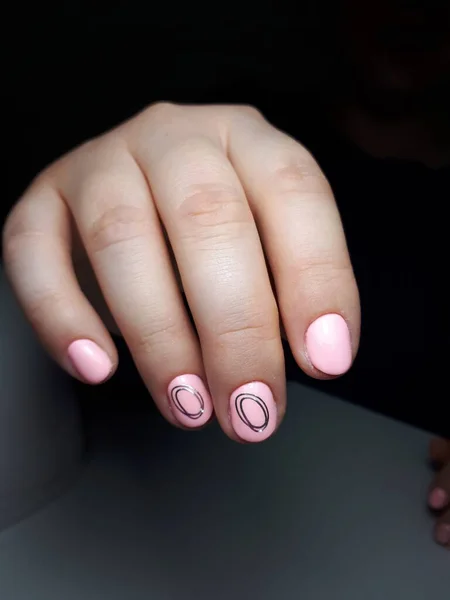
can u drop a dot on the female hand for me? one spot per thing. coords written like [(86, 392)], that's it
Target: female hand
[(255, 235)]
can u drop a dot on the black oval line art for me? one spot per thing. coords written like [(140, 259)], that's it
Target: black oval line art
[(239, 403), (176, 401)]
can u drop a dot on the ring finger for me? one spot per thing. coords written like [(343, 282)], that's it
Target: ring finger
[(216, 244)]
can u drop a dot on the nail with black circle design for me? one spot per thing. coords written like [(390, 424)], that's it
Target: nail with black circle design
[(253, 412), (190, 400)]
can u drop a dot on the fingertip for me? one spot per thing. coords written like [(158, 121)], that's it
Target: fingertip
[(328, 344), (253, 412), (190, 401), (90, 361)]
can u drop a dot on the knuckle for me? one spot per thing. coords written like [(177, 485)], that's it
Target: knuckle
[(162, 110), (49, 304), (17, 229), (325, 270), (298, 174), (255, 327), (108, 147), (117, 224), (161, 333), (250, 111), (89, 165), (211, 207)]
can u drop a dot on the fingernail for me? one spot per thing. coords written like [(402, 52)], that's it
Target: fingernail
[(190, 401), (253, 412), (443, 534), (328, 344), (438, 499), (89, 360)]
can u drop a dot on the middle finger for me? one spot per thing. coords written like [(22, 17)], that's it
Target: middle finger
[(218, 251)]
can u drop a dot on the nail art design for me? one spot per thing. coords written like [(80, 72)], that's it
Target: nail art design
[(240, 409), (190, 400), (253, 411), (174, 395)]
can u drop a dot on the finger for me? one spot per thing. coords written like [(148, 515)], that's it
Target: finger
[(442, 531), (440, 451), (37, 255), (212, 232), (304, 241), (439, 496), (440, 500), (112, 205)]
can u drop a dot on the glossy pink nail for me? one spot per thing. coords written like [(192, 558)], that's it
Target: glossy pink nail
[(253, 412), (328, 344), (89, 360), (190, 400), (438, 499)]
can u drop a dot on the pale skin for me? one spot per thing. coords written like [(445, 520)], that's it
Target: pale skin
[(217, 199)]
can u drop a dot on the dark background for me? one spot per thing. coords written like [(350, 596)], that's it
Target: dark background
[(73, 70)]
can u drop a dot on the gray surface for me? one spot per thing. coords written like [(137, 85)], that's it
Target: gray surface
[(332, 507), (40, 431)]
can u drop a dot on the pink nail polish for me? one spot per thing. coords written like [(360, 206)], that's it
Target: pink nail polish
[(443, 534), (253, 412), (190, 401), (438, 499), (89, 360), (328, 344)]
